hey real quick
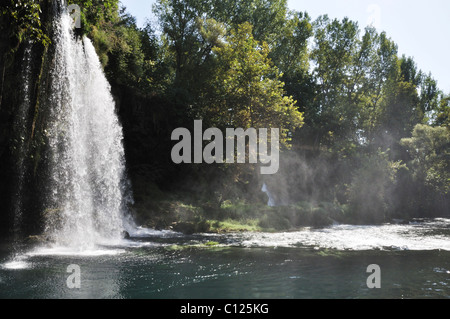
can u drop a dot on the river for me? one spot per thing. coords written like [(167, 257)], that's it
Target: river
[(330, 263)]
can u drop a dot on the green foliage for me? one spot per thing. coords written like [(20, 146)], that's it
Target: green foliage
[(340, 64), (344, 103), (22, 19), (248, 91), (95, 12), (442, 115), (371, 188), (190, 35), (267, 16), (400, 112), (291, 55), (429, 149)]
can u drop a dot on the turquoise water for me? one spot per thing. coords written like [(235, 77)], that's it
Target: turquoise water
[(325, 263)]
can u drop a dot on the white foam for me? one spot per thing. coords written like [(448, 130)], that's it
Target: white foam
[(74, 251), (16, 264), (349, 237), (150, 232)]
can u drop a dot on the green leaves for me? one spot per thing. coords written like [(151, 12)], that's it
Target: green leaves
[(442, 114), (248, 90), (94, 13), (370, 189), (22, 18), (429, 150)]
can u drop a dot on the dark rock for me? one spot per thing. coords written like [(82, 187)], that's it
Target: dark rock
[(189, 228), (186, 228), (35, 239)]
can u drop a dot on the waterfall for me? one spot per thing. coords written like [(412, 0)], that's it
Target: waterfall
[(271, 201), (88, 195)]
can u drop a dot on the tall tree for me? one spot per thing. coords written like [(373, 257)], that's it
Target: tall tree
[(291, 55), (248, 91), (190, 35), (268, 17), (334, 49), (179, 21), (429, 162), (442, 114)]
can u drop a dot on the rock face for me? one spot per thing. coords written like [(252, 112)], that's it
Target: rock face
[(29, 132), (36, 239)]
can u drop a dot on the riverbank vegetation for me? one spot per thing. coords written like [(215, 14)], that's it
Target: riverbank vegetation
[(365, 133)]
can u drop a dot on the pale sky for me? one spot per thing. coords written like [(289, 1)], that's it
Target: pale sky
[(420, 28)]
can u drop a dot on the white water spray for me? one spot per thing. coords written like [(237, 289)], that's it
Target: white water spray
[(271, 201), (88, 195)]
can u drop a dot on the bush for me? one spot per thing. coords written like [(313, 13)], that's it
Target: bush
[(274, 221)]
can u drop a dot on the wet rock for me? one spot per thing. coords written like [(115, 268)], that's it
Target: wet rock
[(37, 239), (184, 227), (189, 228)]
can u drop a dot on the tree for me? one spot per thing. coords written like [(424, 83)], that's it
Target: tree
[(335, 46), (247, 88), (370, 191), (377, 70), (429, 151), (291, 55), (400, 113), (180, 20), (95, 12), (22, 19), (268, 17), (19, 20), (442, 115)]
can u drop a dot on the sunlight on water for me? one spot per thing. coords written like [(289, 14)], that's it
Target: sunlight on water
[(104, 248), (16, 264), (68, 251)]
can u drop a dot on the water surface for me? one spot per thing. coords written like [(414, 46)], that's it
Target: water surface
[(312, 263)]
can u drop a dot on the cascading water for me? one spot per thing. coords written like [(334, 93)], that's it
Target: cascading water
[(271, 200), (88, 193)]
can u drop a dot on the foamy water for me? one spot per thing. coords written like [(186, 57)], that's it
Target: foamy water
[(431, 235), (149, 232), (111, 248), (68, 251), (417, 236)]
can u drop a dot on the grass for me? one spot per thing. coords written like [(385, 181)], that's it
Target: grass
[(213, 245), (231, 225)]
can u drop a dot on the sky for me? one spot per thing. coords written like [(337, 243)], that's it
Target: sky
[(420, 28)]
